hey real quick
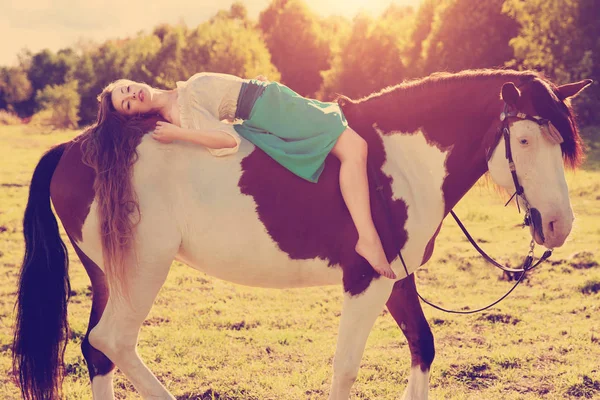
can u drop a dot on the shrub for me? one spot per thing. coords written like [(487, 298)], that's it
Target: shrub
[(60, 106)]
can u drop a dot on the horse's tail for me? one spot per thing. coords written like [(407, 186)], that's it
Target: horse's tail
[(41, 327)]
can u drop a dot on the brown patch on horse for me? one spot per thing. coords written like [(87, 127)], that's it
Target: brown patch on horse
[(406, 309), (98, 363), (309, 220), (72, 189)]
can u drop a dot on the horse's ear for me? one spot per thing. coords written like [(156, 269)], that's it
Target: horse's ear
[(510, 93), (573, 89)]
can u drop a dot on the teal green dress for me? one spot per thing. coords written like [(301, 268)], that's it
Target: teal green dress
[(295, 131)]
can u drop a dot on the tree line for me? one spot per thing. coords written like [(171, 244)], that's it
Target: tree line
[(318, 56)]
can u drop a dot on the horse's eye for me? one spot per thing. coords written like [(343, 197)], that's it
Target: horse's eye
[(524, 142)]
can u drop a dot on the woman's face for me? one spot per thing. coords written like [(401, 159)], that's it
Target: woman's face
[(132, 98)]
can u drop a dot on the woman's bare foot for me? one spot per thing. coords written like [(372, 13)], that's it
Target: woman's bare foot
[(372, 251)]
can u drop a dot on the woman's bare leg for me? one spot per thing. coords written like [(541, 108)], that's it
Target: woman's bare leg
[(351, 149)]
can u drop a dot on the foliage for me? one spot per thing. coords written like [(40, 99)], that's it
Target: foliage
[(560, 38), (229, 46), (15, 87), (9, 118), (298, 49), (468, 34), (322, 56), (47, 68), (373, 55), (419, 32), (60, 106)]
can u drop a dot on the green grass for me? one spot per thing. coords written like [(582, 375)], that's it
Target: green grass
[(208, 339)]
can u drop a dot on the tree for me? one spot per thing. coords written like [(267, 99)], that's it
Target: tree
[(48, 68), (297, 47), (420, 31), (469, 34), (168, 66), (560, 38), (237, 11), (227, 46), (372, 56), (15, 87), (61, 104)]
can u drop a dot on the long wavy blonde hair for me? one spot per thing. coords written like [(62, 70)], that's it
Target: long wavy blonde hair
[(109, 147)]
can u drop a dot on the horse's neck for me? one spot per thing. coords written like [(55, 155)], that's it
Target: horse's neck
[(434, 142)]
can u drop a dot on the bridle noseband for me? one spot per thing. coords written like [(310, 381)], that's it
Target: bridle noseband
[(532, 215)]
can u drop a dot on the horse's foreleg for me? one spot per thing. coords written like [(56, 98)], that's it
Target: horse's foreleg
[(116, 333), (100, 367), (406, 309), (358, 316)]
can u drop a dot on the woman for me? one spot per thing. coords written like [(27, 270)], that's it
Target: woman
[(297, 132)]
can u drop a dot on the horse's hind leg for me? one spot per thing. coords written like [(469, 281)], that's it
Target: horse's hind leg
[(358, 316), (100, 367), (406, 309)]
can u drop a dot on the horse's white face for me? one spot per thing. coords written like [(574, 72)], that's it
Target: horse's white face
[(540, 170)]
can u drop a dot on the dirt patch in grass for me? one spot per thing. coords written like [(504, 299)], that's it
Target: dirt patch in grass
[(524, 386), (583, 260), (439, 321), (474, 376), (12, 185), (214, 395), (499, 318), (509, 363), (592, 286), (154, 321), (587, 389), (238, 326)]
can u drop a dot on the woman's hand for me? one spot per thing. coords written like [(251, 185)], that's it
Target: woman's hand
[(165, 132)]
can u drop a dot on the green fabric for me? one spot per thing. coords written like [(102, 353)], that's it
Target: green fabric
[(297, 132)]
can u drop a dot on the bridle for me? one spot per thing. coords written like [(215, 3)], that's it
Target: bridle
[(532, 215)]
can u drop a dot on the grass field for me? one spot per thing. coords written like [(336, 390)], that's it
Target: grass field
[(208, 339)]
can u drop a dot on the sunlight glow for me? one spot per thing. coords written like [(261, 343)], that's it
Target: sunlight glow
[(60, 24)]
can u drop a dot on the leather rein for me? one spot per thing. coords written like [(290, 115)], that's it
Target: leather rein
[(532, 216)]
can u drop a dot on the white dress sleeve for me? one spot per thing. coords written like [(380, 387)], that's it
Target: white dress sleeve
[(202, 119), (194, 116)]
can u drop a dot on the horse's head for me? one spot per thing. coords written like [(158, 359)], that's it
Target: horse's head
[(536, 130)]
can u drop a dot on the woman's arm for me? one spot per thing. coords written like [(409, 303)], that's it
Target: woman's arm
[(211, 138)]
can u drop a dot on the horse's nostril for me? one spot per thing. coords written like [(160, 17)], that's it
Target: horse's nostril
[(551, 226)]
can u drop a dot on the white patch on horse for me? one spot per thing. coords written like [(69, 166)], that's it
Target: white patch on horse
[(418, 170), (102, 386), (221, 232), (418, 385)]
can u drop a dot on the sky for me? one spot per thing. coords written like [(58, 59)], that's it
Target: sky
[(56, 24)]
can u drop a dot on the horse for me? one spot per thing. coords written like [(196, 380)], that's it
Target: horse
[(245, 219)]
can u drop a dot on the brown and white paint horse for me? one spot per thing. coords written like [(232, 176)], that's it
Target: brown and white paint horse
[(246, 220)]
